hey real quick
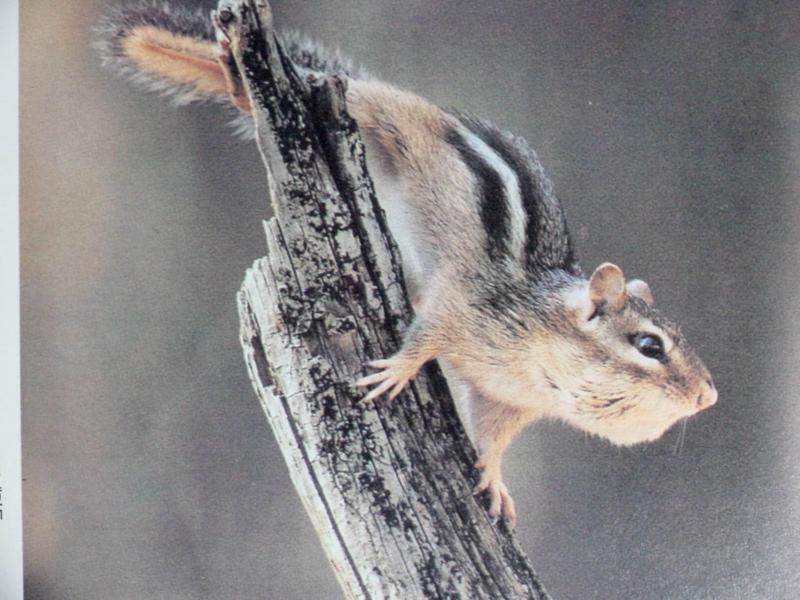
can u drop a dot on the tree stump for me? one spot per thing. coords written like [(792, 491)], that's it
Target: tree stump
[(387, 485)]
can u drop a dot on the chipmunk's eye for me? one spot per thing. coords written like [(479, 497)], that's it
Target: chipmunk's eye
[(648, 344)]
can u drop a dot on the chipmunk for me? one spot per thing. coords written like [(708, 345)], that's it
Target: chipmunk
[(498, 293)]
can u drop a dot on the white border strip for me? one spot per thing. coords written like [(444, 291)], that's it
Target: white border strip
[(10, 426)]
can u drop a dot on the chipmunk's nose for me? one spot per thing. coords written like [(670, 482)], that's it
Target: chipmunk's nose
[(707, 396)]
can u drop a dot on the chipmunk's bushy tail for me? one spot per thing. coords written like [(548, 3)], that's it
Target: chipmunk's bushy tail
[(172, 51)]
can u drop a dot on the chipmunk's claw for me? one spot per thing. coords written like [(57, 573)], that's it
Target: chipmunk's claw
[(392, 378), (500, 501)]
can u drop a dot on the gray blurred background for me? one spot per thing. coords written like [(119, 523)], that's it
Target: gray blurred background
[(672, 132)]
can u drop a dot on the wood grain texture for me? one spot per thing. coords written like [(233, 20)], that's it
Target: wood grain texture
[(387, 486)]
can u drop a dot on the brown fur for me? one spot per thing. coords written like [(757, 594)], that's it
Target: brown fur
[(405, 125), (176, 57)]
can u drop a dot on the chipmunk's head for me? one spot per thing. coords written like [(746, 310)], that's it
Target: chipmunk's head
[(634, 374)]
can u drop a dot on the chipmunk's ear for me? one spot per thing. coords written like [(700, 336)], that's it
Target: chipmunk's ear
[(639, 289), (607, 287)]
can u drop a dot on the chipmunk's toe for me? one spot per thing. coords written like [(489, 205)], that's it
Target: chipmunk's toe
[(392, 378), (501, 504)]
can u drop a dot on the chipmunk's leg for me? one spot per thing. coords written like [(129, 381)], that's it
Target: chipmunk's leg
[(494, 425), (233, 79), (422, 343)]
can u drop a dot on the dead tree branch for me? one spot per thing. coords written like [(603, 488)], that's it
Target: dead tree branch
[(387, 486)]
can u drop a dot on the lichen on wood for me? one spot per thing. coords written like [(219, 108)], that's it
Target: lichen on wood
[(386, 485)]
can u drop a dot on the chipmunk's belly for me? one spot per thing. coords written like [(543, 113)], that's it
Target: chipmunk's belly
[(404, 228)]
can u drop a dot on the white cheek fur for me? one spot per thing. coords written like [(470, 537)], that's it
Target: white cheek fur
[(578, 304)]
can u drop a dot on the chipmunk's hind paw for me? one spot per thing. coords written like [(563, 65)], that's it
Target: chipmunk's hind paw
[(500, 501), (226, 61), (220, 19)]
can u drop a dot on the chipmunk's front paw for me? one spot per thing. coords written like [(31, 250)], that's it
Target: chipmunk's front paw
[(394, 375), (501, 502)]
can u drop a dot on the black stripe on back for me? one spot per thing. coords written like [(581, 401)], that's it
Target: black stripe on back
[(527, 187), (494, 210), (547, 240)]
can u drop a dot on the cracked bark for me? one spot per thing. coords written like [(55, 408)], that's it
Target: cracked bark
[(387, 486)]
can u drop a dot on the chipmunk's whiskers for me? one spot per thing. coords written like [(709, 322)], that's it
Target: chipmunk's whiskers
[(681, 438)]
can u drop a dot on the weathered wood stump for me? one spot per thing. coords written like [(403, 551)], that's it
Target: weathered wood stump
[(387, 485)]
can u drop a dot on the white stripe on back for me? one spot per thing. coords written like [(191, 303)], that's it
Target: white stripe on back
[(511, 184)]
